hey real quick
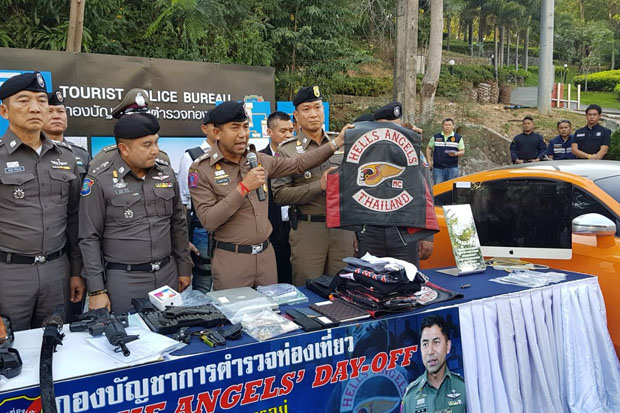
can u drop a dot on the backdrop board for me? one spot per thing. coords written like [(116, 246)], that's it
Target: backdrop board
[(179, 91)]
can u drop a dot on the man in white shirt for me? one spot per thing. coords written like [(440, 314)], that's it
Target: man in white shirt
[(198, 237), (279, 128)]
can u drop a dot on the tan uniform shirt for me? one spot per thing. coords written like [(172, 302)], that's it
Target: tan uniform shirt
[(304, 188), (128, 220), (223, 210), (39, 198)]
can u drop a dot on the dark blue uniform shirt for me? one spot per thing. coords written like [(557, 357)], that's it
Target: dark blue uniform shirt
[(527, 146), (561, 149), (590, 140)]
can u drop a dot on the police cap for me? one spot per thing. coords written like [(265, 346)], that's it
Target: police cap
[(55, 98), (26, 81), (207, 118), (229, 111), (136, 125), (307, 94), (391, 111), (136, 100)]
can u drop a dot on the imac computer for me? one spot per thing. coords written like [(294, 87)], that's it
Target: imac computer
[(520, 218)]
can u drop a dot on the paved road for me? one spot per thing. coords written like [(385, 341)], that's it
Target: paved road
[(524, 96), (528, 96)]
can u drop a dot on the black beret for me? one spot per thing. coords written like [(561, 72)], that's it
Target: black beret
[(136, 125), (390, 111), (55, 98), (230, 111), (307, 94), (207, 118), (367, 117), (26, 81)]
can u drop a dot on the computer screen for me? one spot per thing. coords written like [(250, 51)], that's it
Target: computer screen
[(520, 218)]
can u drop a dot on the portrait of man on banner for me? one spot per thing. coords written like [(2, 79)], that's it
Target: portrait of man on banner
[(437, 389)]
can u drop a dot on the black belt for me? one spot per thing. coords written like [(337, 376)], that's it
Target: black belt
[(12, 258), (243, 249), (148, 267), (311, 218)]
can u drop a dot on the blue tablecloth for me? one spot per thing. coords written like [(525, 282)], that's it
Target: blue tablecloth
[(480, 287)]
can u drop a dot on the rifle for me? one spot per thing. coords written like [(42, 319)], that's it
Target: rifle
[(101, 321), (52, 336)]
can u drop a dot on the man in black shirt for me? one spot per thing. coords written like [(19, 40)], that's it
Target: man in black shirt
[(528, 146), (592, 141)]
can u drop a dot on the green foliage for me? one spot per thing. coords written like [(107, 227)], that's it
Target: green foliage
[(614, 147), (510, 74), (599, 81), (287, 84)]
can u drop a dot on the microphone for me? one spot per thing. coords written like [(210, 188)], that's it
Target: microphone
[(260, 191)]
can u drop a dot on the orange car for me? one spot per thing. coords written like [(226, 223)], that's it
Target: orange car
[(593, 188)]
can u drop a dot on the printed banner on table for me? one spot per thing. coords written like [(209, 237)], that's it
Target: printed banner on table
[(365, 367)]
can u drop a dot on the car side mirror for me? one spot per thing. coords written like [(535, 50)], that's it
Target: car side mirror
[(593, 224)]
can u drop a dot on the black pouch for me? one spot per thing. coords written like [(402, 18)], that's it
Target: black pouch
[(292, 217), (324, 285)]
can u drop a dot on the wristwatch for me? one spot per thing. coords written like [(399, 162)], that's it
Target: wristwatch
[(333, 143)]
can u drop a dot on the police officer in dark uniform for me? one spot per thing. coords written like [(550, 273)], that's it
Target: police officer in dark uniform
[(133, 232), (135, 101), (39, 202), (55, 129), (57, 125), (593, 140)]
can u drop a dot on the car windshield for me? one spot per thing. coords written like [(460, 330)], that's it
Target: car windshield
[(611, 185)]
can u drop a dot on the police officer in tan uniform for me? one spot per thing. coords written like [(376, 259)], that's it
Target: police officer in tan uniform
[(133, 232), (224, 194), (315, 249), (39, 203)]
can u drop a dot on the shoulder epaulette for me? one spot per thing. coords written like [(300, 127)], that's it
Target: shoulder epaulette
[(292, 139), (458, 376), (94, 171), (161, 161), (64, 145), (202, 157), (109, 148), (1, 142)]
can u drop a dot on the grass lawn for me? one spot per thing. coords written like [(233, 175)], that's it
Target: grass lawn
[(604, 99)]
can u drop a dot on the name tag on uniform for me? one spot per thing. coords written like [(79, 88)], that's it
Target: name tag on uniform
[(598, 133), (224, 180), (14, 169), (163, 185), (580, 135)]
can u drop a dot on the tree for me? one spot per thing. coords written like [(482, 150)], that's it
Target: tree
[(546, 68), (405, 67), (429, 82), (452, 9)]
